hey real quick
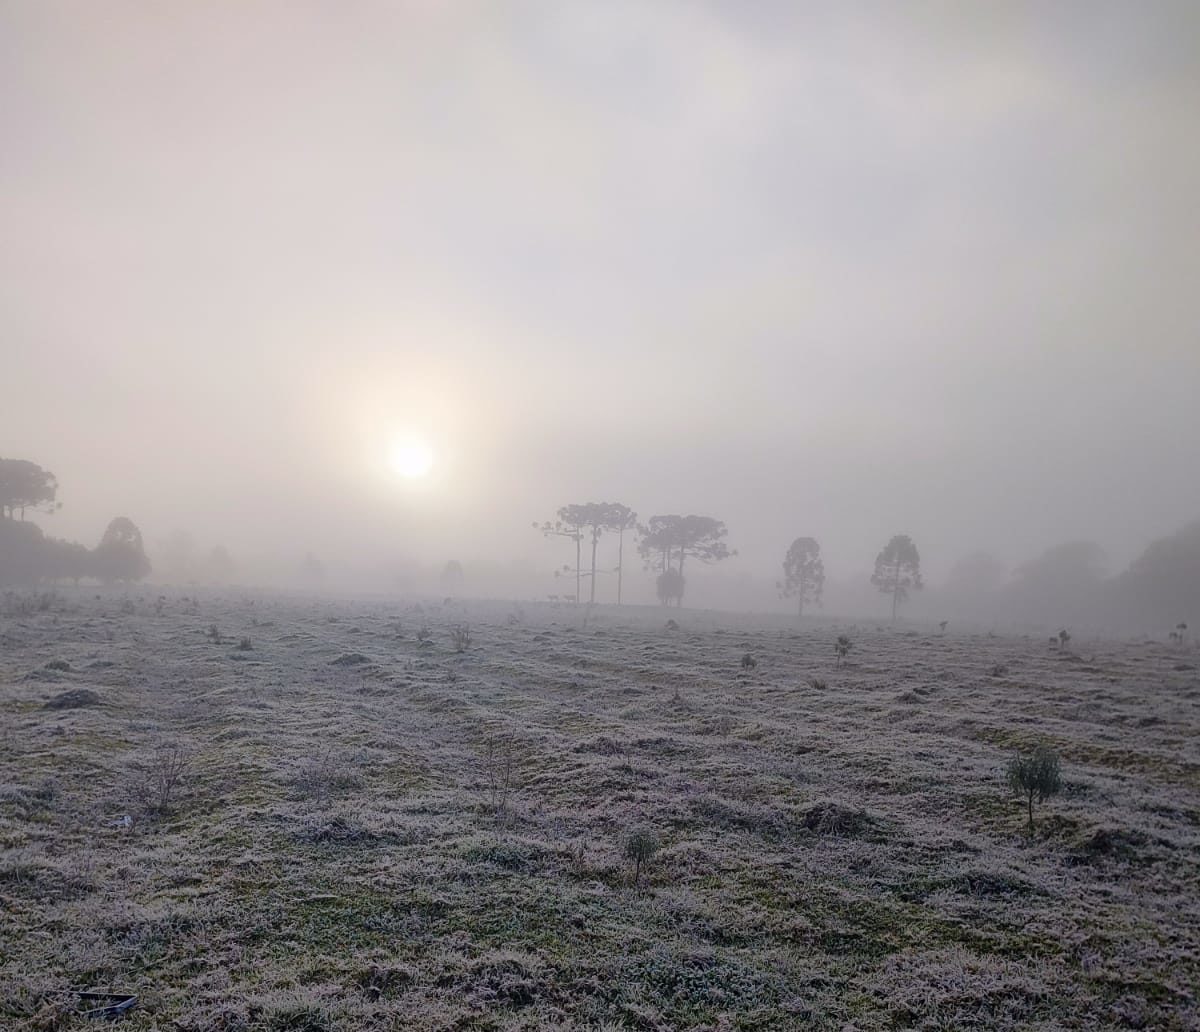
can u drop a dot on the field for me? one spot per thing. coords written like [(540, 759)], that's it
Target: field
[(373, 831)]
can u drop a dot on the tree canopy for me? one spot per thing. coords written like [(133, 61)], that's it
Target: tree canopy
[(25, 485), (898, 569), (803, 572)]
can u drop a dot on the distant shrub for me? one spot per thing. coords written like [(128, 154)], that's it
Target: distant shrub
[(1035, 776), (999, 670), (842, 647), (499, 768), (424, 635), (245, 645), (324, 774), (460, 637), (157, 780), (640, 846), (818, 683), (748, 661), (213, 634), (58, 664), (1063, 638)]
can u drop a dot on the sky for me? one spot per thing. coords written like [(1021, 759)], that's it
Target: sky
[(839, 270)]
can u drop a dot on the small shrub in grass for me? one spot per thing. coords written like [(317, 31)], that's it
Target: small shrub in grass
[(1035, 776), (842, 647), (460, 637), (640, 846), (818, 683), (213, 634), (748, 661), (244, 645), (157, 780)]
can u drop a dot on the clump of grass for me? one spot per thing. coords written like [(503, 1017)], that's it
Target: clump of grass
[(818, 683), (999, 669), (244, 645), (424, 635), (326, 774), (58, 664), (640, 846), (213, 634)]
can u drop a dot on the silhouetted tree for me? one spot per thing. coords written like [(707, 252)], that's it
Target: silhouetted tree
[(1163, 583), (65, 560), (570, 523), (897, 569), (620, 518), (25, 485), (803, 573), (22, 553), (1063, 583), (120, 555), (672, 539), (669, 585)]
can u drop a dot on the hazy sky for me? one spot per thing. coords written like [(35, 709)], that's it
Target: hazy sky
[(831, 269)]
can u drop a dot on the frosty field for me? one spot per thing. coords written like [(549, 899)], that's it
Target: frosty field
[(371, 831)]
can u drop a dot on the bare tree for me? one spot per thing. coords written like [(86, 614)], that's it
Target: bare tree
[(803, 573), (898, 568)]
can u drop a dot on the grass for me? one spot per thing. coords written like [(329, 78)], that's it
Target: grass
[(343, 852)]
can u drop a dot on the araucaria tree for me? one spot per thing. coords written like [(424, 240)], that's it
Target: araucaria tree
[(898, 569), (587, 522), (667, 542), (620, 518), (568, 525), (803, 573)]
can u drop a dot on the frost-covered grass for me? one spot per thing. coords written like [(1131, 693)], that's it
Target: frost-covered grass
[(374, 831)]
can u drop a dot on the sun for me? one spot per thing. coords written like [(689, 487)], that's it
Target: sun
[(411, 459)]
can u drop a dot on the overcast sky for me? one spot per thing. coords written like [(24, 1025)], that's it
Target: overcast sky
[(830, 269)]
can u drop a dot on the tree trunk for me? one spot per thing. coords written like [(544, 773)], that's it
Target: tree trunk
[(1031, 813), (620, 559), (895, 590), (595, 536), (578, 560)]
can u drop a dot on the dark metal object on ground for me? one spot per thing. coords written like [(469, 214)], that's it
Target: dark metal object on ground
[(106, 1005)]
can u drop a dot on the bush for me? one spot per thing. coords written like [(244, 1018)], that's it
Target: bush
[(460, 637), (1035, 776), (158, 779), (842, 647), (640, 846)]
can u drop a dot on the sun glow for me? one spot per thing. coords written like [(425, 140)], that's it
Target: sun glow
[(411, 459)]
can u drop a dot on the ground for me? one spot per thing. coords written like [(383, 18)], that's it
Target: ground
[(371, 829)]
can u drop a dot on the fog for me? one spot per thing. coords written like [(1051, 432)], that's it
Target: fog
[(845, 272)]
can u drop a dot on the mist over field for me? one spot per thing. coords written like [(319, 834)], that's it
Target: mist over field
[(813, 271), (599, 516)]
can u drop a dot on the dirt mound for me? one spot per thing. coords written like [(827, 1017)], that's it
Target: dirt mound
[(76, 698)]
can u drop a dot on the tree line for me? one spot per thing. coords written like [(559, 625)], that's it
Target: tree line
[(666, 542), (27, 556)]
